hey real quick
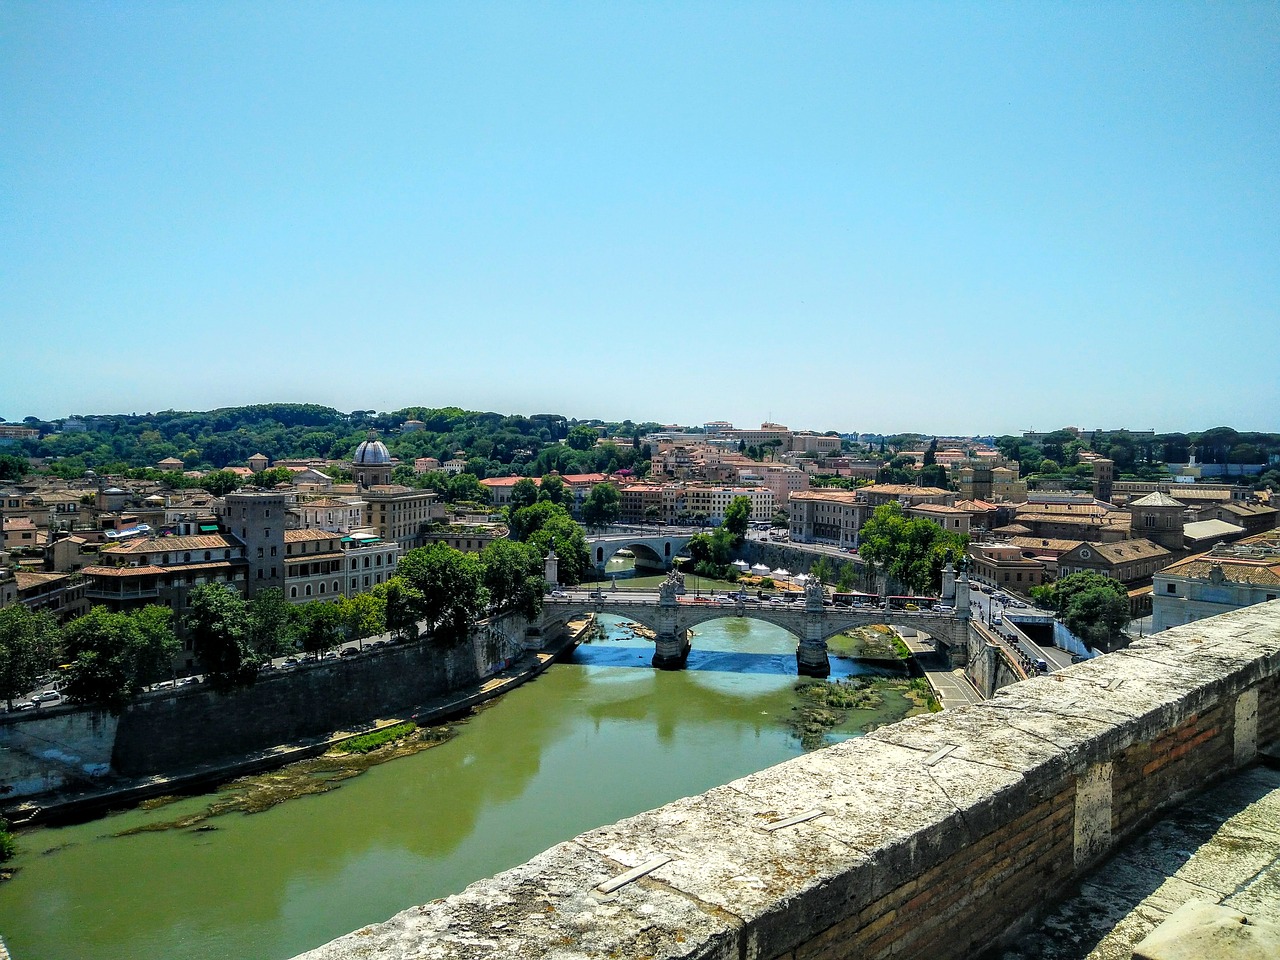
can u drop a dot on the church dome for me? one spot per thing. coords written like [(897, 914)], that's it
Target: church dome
[(372, 453)]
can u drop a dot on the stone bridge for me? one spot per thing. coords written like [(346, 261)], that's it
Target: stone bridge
[(811, 622), (651, 551)]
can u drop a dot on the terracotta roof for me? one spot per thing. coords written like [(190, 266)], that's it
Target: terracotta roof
[(296, 536), (27, 579), (1125, 550), (936, 508), (308, 557), (1157, 499), (1045, 543), (124, 571), (834, 495), (209, 541)]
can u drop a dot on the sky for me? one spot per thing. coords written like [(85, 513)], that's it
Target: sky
[(949, 218)]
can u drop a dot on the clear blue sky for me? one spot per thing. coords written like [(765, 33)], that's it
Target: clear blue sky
[(951, 218)]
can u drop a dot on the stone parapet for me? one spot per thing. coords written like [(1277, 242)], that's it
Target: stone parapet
[(932, 837)]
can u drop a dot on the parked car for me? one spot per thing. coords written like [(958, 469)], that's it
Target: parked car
[(290, 661), (48, 696), (559, 594), (350, 652)]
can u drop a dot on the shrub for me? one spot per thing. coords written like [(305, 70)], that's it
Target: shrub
[(371, 741)]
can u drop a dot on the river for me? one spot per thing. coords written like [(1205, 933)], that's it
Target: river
[(590, 742)]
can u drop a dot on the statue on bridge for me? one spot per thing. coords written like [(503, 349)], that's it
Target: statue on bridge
[(670, 587), (814, 592)]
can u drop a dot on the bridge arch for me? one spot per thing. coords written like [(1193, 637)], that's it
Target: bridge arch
[(656, 552), (812, 627)]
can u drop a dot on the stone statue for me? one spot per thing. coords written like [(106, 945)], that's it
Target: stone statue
[(814, 592), (674, 584)]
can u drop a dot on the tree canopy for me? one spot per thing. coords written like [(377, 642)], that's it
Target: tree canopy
[(913, 550), (114, 655), (1093, 607), (28, 644)]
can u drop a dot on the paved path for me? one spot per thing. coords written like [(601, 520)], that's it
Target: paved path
[(1222, 846)]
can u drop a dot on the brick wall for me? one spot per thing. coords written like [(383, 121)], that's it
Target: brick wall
[(932, 837)]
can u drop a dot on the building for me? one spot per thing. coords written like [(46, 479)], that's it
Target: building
[(712, 501), (399, 514), (1127, 561), (953, 519), (828, 516), (1222, 579), (164, 570), (315, 567), (57, 593), (259, 518), (1158, 517), (1007, 565), (371, 465)]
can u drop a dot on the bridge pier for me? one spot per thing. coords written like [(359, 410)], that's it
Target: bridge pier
[(671, 652), (811, 659)]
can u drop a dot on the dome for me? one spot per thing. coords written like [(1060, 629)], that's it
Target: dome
[(372, 453)]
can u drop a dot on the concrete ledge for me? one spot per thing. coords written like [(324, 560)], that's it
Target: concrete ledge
[(930, 837)]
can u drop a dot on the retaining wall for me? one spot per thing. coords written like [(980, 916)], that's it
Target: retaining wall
[(52, 750), (931, 837)]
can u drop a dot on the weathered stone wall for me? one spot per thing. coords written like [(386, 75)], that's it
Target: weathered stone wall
[(53, 750), (931, 837), (194, 725)]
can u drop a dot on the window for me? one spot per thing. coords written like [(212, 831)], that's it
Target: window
[(259, 574), (266, 533), (335, 586), (259, 553), (208, 555), (293, 592), (353, 584), (186, 558), (308, 589), (322, 589), (1170, 588), (273, 551)]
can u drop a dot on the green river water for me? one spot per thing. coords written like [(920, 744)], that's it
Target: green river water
[(590, 742)]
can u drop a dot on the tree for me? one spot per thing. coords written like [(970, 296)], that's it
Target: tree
[(553, 490), (401, 603), (451, 585), (570, 543), (931, 454), (271, 624), (737, 517), (934, 475), (272, 477), (602, 506), (1093, 607), (220, 482), (512, 574), (914, 551), (364, 615), (523, 494), (821, 569), (652, 513), (582, 438), (114, 655), (12, 468), (321, 627), (218, 623), (28, 642)]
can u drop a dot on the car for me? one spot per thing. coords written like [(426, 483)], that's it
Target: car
[(48, 696), (186, 681), (997, 620), (377, 643), (1017, 604), (350, 652), (701, 599), (1078, 658), (943, 608), (331, 655), (559, 594), (291, 661), (596, 595), (23, 705), (1042, 666)]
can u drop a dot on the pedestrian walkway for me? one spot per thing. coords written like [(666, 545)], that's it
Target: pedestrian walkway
[(1221, 847)]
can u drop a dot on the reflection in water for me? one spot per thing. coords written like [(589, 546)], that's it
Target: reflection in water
[(587, 743)]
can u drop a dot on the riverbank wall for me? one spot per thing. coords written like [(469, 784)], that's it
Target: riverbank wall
[(66, 748), (937, 836)]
